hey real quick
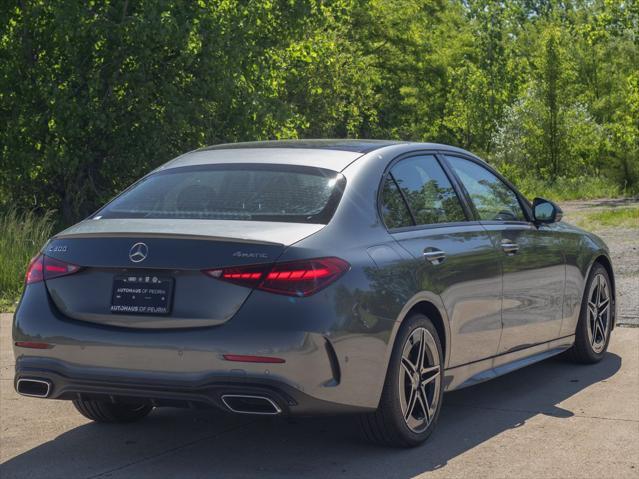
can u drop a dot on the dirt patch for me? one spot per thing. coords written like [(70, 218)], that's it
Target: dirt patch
[(624, 250)]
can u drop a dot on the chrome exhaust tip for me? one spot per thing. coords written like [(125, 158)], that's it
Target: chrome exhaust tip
[(248, 404), (37, 388)]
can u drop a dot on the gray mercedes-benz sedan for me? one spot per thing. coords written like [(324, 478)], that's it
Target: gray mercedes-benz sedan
[(309, 277)]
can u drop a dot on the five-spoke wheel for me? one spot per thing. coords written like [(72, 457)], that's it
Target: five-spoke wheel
[(419, 380), (412, 395), (596, 318), (598, 312)]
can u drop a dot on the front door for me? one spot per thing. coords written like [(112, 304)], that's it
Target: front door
[(532, 260)]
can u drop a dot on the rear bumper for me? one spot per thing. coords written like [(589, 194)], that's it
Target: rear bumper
[(324, 370), (69, 383)]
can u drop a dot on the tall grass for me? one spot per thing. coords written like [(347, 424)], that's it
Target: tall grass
[(614, 217), (585, 187), (21, 237)]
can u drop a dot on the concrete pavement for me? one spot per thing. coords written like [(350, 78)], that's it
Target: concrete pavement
[(554, 419)]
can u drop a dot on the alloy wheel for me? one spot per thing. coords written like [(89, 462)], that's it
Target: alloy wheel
[(419, 380), (598, 313)]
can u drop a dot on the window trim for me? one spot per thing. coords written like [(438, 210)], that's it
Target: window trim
[(415, 227), (523, 202)]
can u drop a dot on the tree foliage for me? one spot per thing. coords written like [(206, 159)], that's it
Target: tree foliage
[(94, 94)]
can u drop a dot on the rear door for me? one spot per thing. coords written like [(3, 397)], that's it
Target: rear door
[(452, 256), (532, 258)]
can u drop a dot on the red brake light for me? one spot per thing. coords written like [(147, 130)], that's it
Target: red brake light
[(303, 278), (43, 267), (35, 270), (249, 276), (293, 278)]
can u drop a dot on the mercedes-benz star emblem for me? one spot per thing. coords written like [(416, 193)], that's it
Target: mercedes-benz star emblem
[(138, 252)]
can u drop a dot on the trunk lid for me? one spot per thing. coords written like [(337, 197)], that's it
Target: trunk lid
[(159, 252)]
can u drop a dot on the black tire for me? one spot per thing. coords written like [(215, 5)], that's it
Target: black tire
[(583, 351), (104, 411), (387, 425)]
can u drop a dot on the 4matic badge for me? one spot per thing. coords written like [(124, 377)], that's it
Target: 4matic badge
[(242, 254)]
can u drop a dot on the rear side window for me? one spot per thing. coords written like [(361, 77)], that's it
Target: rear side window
[(394, 210), (245, 192), (492, 198), (427, 190)]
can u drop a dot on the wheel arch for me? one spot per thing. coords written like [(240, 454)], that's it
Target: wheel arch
[(603, 259), (431, 306), (606, 263)]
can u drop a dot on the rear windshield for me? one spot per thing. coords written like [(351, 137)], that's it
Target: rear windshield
[(297, 194)]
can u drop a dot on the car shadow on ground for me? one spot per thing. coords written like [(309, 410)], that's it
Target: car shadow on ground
[(183, 443)]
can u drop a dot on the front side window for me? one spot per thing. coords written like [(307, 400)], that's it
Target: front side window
[(493, 199), (248, 192), (427, 190)]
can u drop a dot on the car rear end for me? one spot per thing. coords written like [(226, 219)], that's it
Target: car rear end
[(194, 288)]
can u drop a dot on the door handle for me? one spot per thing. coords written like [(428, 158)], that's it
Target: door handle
[(434, 255), (509, 247)]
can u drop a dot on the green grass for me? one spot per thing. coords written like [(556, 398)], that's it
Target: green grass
[(614, 217), (565, 189), (21, 237)]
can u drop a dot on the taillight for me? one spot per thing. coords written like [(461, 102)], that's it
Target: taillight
[(249, 276), (43, 267), (293, 278), (303, 278)]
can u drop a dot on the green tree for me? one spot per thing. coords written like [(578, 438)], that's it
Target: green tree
[(93, 95), (547, 130)]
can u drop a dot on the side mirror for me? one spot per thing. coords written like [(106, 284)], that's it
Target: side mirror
[(545, 211)]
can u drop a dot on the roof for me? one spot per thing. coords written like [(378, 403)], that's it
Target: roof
[(330, 154), (354, 145), (333, 155)]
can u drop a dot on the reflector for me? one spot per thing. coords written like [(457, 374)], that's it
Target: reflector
[(252, 359), (33, 345)]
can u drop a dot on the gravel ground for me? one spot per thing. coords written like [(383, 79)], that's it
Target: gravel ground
[(624, 249)]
